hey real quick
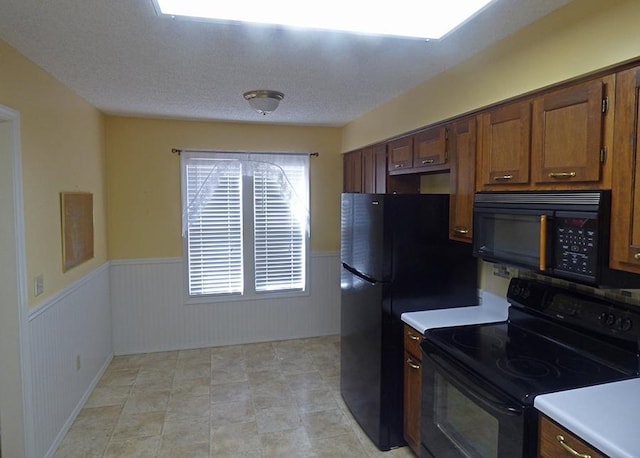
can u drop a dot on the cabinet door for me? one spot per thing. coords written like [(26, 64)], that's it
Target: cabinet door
[(352, 174), (567, 134), (625, 186), (412, 401), (380, 154), (400, 154), (555, 442), (430, 147), (368, 171), (505, 148), (462, 146), (374, 169)]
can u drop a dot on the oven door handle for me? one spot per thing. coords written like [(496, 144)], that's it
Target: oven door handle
[(476, 388)]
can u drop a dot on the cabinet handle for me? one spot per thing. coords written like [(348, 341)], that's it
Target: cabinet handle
[(568, 448), (562, 174), (636, 256), (397, 166), (412, 364), (412, 337), (461, 230), (428, 161), (503, 177)]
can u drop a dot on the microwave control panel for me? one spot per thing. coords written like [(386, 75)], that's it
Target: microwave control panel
[(576, 249)]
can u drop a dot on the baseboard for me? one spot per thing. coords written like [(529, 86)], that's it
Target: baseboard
[(74, 414)]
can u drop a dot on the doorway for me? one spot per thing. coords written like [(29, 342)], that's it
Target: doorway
[(13, 298)]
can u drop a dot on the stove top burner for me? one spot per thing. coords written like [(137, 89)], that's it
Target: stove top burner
[(521, 362), (578, 365), (554, 339), (472, 341), (526, 367)]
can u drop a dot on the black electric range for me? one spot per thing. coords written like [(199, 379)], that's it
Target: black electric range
[(554, 339)]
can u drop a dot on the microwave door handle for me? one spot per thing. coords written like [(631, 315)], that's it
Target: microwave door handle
[(543, 243)]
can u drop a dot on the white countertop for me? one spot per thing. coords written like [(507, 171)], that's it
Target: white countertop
[(493, 308), (606, 416)]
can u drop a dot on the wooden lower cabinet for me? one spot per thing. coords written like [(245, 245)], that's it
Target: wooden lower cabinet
[(556, 442), (412, 388)]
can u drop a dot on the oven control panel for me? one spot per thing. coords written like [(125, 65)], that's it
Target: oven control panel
[(596, 316), (587, 312)]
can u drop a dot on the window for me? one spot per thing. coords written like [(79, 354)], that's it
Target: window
[(245, 222)]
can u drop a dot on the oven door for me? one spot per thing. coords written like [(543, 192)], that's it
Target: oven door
[(465, 416), (513, 236)]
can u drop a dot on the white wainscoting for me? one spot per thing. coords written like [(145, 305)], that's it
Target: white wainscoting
[(75, 322), (149, 313)]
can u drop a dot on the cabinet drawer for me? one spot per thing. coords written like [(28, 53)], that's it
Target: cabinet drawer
[(552, 438), (412, 340)]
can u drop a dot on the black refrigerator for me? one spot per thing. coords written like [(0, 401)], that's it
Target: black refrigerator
[(396, 257)]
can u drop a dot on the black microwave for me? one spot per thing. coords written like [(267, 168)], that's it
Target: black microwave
[(563, 234)]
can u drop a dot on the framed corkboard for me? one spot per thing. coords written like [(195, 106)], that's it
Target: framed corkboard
[(77, 228)]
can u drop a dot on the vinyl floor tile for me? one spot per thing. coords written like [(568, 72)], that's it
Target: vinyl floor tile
[(270, 399)]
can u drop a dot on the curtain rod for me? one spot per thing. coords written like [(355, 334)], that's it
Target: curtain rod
[(180, 151)]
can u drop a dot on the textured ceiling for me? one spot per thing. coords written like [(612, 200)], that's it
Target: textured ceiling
[(124, 59)]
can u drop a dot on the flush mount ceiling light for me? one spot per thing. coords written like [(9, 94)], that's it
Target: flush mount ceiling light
[(263, 101), (427, 19)]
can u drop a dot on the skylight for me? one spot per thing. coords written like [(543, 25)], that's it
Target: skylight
[(427, 19)]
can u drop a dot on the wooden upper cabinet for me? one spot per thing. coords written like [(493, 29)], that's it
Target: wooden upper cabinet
[(352, 172), (430, 147), (374, 169), (567, 133), (505, 146), (365, 170), (400, 154), (625, 186), (462, 147)]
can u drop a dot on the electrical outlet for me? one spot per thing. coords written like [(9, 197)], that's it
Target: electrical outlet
[(78, 363), (38, 285)]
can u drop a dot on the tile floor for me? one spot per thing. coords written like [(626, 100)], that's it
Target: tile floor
[(277, 399)]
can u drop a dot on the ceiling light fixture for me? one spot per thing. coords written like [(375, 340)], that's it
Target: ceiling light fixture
[(264, 101), (426, 19)]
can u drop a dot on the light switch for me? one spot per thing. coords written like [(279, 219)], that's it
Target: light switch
[(38, 285)]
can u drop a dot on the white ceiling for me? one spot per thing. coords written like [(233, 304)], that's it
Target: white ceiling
[(124, 59)]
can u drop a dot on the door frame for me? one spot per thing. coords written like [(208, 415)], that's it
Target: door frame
[(17, 386)]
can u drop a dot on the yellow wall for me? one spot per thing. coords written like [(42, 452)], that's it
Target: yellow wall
[(582, 37), (62, 150), (144, 177), (63, 139)]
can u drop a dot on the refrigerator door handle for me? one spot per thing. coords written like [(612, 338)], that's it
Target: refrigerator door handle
[(357, 273)]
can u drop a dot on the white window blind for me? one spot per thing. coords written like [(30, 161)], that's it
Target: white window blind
[(214, 231), (225, 195), (280, 249)]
